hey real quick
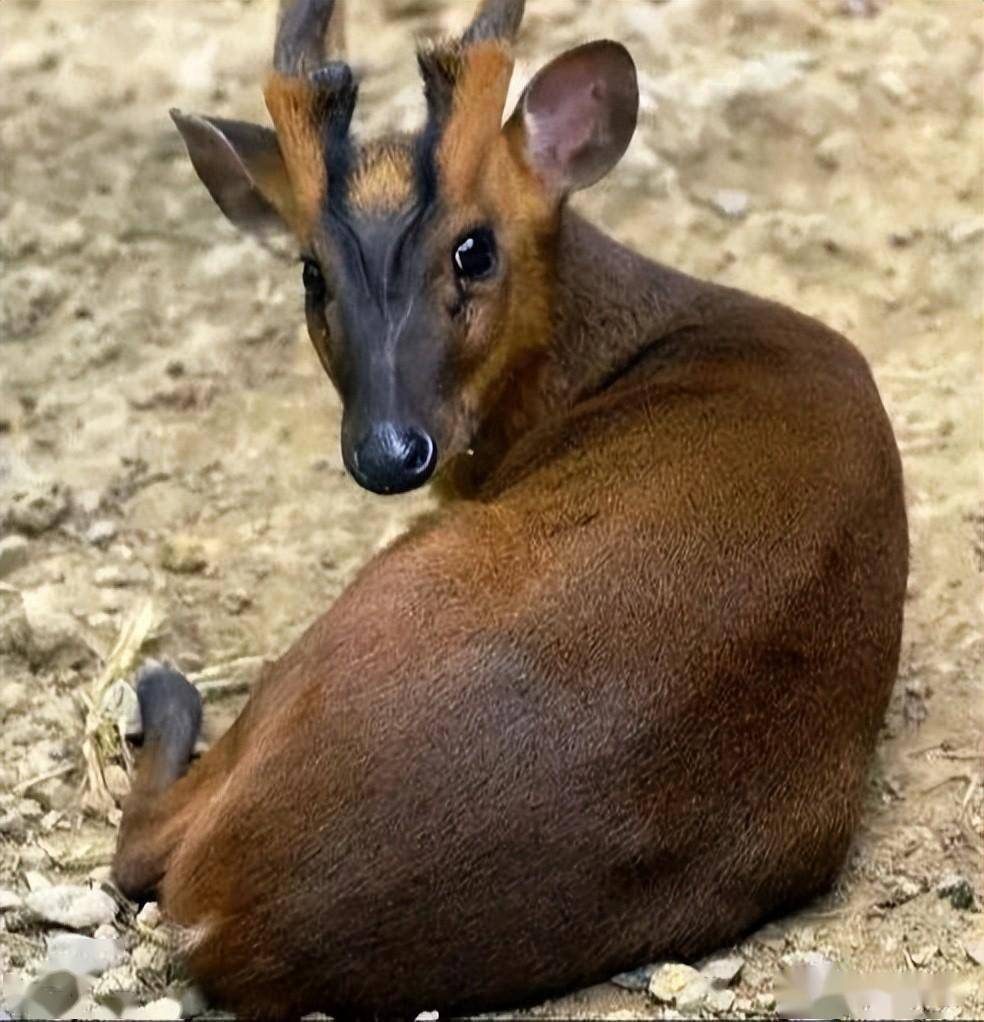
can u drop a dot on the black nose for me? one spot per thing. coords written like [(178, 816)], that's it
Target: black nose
[(390, 459)]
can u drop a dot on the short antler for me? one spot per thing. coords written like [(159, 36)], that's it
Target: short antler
[(310, 31), (496, 19)]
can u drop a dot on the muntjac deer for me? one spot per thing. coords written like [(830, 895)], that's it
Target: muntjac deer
[(614, 701)]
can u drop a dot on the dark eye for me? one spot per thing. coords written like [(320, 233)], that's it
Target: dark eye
[(314, 281), (474, 257)]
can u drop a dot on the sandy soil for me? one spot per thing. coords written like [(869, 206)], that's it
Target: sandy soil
[(166, 431)]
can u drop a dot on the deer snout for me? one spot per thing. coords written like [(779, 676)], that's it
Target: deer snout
[(390, 458)]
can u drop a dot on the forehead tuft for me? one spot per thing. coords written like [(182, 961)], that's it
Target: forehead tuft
[(383, 178)]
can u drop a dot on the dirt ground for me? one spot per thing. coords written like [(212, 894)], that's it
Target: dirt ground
[(169, 444)]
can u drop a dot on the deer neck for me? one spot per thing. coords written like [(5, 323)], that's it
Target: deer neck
[(609, 305)]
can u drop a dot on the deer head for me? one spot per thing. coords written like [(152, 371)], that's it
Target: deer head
[(429, 259)]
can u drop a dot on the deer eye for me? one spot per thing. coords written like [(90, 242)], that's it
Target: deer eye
[(474, 256), (314, 281)]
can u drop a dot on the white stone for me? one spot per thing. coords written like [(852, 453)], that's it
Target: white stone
[(79, 908), (85, 956)]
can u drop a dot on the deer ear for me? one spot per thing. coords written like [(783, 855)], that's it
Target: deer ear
[(241, 166), (577, 116)]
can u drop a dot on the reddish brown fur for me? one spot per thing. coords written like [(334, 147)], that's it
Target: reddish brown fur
[(293, 106), (383, 180), (616, 706)]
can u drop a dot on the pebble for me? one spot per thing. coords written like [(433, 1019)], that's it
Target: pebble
[(13, 554), (679, 985), (15, 815), (636, 979), (150, 915), (88, 1008), (9, 900), (84, 956), (39, 508), (894, 85), (102, 532), (720, 1001), (117, 781), (957, 890), (36, 881), (71, 905), (924, 955), (900, 890), (42, 633), (50, 996), (183, 555), (731, 203), (193, 1002), (835, 148), (164, 1008), (975, 951), (722, 972)]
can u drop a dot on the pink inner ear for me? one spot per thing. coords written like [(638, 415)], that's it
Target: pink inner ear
[(563, 119), (579, 114)]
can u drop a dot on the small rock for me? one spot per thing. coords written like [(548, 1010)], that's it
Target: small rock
[(102, 532), (722, 972), (965, 231), (975, 950), (237, 601), (957, 890), (149, 916), (13, 554), (105, 932), (637, 979), (677, 984), (900, 890), (117, 781), (39, 508), (76, 907), (89, 1009), (924, 955), (193, 1002), (835, 148), (164, 1008), (50, 996), (120, 704), (183, 555), (731, 203), (693, 997), (85, 956), (35, 628), (36, 881), (772, 937), (720, 1001), (765, 1000), (894, 85), (17, 813), (9, 900)]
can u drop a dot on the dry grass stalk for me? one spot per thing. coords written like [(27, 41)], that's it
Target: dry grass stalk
[(104, 742)]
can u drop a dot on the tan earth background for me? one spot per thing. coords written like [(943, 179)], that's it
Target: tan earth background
[(169, 452)]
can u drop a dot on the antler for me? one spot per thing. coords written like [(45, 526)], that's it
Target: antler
[(496, 19), (307, 34)]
